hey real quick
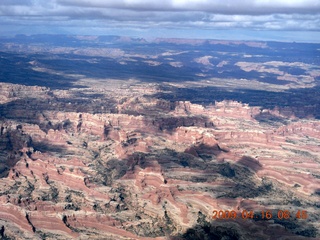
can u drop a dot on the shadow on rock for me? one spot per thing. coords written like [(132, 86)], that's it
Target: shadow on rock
[(11, 143), (301, 102), (250, 163)]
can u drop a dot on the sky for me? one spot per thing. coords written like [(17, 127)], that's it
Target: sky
[(279, 20)]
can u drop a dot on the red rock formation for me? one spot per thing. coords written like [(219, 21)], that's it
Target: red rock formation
[(148, 174)]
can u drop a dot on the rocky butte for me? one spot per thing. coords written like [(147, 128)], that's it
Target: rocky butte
[(107, 158)]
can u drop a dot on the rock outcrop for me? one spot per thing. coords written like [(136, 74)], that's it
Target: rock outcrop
[(144, 168)]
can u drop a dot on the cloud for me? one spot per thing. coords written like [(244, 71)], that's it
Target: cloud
[(15, 2), (254, 7), (293, 15)]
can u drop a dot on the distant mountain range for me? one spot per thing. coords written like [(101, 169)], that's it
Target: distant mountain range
[(62, 39)]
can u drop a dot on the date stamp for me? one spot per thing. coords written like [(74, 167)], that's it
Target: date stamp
[(262, 215)]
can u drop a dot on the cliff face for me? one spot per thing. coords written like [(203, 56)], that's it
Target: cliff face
[(143, 168)]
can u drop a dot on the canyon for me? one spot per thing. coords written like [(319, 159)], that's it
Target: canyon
[(106, 137), (148, 168)]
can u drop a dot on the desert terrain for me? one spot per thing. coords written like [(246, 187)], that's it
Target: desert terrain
[(120, 138)]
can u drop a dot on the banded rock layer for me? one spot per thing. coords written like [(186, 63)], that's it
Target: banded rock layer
[(145, 168)]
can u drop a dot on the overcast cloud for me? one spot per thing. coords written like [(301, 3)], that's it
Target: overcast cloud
[(112, 16)]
